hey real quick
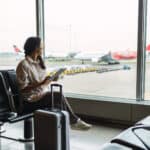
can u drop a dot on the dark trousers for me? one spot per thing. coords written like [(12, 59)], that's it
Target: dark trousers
[(60, 102)]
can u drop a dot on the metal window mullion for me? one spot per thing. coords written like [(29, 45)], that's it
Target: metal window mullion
[(141, 45), (40, 27)]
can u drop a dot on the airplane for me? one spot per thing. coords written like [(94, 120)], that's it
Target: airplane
[(129, 54), (18, 52), (60, 56), (10, 52), (148, 51), (96, 57), (126, 54), (16, 49), (148, 47)]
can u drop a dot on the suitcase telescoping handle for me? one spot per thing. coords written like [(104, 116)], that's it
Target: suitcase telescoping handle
[(52, 94)]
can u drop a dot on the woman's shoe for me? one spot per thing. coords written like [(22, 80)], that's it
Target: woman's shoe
[(81, 125)]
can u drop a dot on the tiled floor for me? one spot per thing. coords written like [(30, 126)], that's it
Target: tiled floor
[(79, 140)]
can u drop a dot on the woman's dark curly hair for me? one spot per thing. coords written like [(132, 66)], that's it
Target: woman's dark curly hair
[(30, 45)]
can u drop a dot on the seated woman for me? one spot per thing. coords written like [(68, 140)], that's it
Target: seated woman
[(34, 83)]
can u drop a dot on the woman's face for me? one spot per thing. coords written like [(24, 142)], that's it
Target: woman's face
[(39, 50)]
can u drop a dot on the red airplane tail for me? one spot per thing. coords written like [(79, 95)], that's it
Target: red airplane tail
[(16, 49)]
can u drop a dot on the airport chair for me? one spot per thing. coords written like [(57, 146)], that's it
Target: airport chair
[(144, 121), (10, 105), (136, 137)]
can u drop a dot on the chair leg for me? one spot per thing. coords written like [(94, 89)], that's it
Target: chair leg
[(28, 133)]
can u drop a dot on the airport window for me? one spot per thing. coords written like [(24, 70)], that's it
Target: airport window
[(17, 23), (147, 74), (96, 40)]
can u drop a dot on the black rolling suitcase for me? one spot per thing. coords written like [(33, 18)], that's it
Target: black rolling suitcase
[(51, 127)]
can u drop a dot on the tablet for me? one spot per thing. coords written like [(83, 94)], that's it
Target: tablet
[(58, 72)]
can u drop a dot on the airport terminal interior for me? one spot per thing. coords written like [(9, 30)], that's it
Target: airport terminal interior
[(103, 48)]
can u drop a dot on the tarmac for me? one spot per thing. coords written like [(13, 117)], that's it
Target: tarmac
[(118, 83), (115, 83)]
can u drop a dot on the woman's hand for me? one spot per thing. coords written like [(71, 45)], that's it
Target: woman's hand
[(56, 78), (46, 81)]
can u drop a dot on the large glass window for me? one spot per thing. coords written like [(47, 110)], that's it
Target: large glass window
[(17, 23), (96, 40), (147, 79)]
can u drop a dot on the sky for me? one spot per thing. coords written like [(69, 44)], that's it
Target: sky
[(94, 24), (72, 25)]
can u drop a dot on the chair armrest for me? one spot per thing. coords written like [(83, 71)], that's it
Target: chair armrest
[(20, 118), (7, 115)]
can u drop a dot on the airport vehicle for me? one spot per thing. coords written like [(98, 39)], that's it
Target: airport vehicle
[(106, 69)]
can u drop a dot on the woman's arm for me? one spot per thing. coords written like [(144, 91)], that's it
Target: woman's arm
[(30, 87)]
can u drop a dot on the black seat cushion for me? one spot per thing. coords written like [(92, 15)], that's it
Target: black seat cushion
[(4, 100), (12, 80), (5, 110)]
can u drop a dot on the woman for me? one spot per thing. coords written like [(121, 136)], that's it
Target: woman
[(34, 82)]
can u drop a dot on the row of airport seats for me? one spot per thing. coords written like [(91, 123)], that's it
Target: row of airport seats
[(136, 137), (10, 106)]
